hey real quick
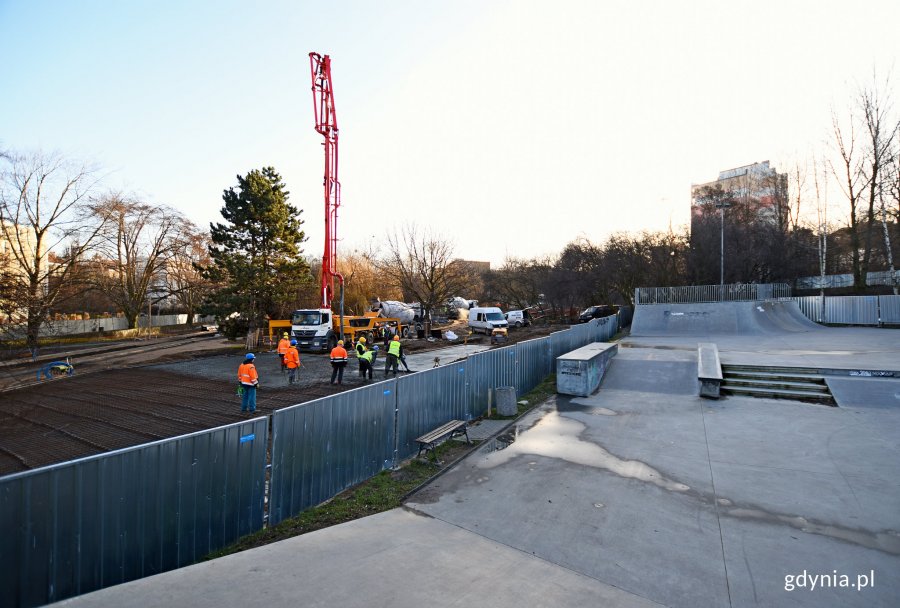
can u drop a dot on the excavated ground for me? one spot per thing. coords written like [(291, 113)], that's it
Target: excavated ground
[(108, 405)]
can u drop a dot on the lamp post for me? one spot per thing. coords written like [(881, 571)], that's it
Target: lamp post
[(722, 206)]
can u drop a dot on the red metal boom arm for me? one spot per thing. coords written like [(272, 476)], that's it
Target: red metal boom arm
[(326, 124)]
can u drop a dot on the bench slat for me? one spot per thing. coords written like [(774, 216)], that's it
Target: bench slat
[(454, 427)]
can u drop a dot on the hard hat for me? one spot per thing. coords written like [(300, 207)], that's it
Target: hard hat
[(251, 356), (293, 343), (396, 338), (340, 342), (285, 334), (362, 339)]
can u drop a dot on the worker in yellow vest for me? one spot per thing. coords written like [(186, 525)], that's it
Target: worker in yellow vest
[(393, 356)]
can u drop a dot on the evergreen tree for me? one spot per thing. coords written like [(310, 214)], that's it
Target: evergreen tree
[(256, 255)]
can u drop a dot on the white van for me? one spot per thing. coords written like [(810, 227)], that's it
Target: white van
[(518, 318), (486, 319)]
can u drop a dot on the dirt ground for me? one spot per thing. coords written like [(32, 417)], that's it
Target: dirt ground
[(142, 394)]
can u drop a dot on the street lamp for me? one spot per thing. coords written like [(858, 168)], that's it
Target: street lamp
[(722, 206)]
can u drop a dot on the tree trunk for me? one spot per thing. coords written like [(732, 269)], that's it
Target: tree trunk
[(33, 329)]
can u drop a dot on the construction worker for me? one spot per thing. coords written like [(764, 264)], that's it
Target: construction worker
[(360, 351), (283, 345), (365, 363), (249, 379), (393, 356), (338, 362), (292, 361)]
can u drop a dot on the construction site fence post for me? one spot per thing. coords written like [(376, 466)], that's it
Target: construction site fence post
[(99, 521)]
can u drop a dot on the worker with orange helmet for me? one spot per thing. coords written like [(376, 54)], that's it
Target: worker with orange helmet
[(283, 345), (292, 361), (338, 362), (393, 355), (249, 381)]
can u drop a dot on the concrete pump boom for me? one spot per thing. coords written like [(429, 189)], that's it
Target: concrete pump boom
[(326, 124)]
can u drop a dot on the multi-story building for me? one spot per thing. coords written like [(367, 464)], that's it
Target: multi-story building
[(758, 190), (18, 244)]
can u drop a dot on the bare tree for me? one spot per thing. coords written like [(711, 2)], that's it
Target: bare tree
[(43, 206), (363, 281), (881, 130), (423, 267), (184, 279), (139, 241)]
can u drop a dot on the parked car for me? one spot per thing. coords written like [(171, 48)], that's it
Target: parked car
[(486, 319), (596, 312), (518, 318)]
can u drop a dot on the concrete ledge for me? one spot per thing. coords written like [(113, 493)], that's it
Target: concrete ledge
[(709, 370), (579, 372)]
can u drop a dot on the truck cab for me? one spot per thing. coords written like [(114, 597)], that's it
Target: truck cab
[(313, 329)]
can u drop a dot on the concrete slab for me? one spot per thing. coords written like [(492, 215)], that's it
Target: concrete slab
[(397, 559), (865, 392), (422, 361)]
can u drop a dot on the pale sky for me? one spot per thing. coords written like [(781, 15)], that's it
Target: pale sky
[(509, 127)]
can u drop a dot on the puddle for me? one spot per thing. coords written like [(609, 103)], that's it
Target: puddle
[(556, 437)]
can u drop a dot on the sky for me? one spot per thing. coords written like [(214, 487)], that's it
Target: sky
[(509, 128)]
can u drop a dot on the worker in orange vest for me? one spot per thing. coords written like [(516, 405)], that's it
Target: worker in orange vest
[(338, 362), (292, 361), (249, 380), (283, 345)]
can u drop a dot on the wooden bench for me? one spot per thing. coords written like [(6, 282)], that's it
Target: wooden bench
[(429, 441), (709, 369)]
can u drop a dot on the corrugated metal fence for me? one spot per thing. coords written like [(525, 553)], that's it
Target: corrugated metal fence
[(851, 310), (87, 524), (79, 526), (380, 423)]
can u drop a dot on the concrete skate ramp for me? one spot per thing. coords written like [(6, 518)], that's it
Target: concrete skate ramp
[(720, 318)]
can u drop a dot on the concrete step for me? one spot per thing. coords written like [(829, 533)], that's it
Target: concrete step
[(776, 383), (772, 369), (773, 393), (775, 377)]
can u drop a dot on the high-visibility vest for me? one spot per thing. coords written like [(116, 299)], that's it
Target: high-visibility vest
[(292, 358), (361, 350), (283, 345), (247, 374), (394, 348), (338, 354), (367, 356)]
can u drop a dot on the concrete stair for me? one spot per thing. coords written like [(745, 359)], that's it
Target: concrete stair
[(797, 383)]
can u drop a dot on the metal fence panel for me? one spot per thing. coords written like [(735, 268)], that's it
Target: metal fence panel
[(561, 342), (851, 310), (428, 399), (889, 308), (711, 293), (83, 525), (811, 307), (488, 370), (323, 447), (534, 364)]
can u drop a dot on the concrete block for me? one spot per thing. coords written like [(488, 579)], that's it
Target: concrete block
[(579, 372)]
